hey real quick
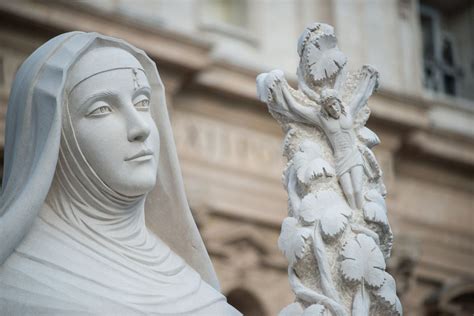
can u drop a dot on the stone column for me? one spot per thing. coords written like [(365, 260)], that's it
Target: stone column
[(336, 237)]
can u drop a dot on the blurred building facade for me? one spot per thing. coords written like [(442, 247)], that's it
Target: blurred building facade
[(209, 52)]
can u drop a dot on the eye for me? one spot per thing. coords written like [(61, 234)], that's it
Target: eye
[(142, 105), (100, 111)]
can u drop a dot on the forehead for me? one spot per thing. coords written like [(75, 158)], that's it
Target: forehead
[(331, 101), (116, 84), (121, 75), (120, 80)]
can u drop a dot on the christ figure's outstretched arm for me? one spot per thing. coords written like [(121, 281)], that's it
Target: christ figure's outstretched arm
[(366, 87), (283, 101)]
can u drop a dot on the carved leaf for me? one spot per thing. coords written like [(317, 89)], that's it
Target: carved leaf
[(373, 168), (363, 261), (293, 309), (324, 59), (266, 83), (309, 163), (361, 303), (292, 239), (388, 292), (370, 73), (375, 210), (329, 208), (368, 137), (314, 310)]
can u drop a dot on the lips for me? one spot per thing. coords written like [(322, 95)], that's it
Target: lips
[(143, 154)]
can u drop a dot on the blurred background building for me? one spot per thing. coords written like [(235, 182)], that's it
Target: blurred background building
[(209, 52)]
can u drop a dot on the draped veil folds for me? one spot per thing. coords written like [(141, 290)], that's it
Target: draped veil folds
[(35, 119)]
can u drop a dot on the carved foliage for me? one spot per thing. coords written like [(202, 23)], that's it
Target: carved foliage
[(293, 309), (292, 239), (363, 261), (375, 209), (296, 309), (388, 293), (309, 163), (348, 245), (315, 310), (330, 59), (329, 209)]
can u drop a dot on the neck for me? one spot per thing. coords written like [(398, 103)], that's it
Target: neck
[(121, 231), (98, 218)]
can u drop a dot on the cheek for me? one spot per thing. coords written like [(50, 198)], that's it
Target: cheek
[(105, 146), (99, 142), (153, 140)]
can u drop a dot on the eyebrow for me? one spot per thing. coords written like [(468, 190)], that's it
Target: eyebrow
[(142, 89), (96, 96)]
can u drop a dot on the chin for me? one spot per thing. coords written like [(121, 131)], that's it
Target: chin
[(138, 189), (136, 184)]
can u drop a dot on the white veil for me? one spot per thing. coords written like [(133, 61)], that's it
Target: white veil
[(32, 141)]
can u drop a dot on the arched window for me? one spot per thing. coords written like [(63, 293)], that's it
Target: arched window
[(455, 299)]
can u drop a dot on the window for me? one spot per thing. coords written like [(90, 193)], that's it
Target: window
[(230, 12), (227, 21), (441, 72), (448, 46)]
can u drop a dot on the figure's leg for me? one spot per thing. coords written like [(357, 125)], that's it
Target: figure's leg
[(346, 185), (357, 174)]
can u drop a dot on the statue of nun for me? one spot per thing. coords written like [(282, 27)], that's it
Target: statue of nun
[(89, 154)]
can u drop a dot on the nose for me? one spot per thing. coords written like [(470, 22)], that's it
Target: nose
[(138, 127)]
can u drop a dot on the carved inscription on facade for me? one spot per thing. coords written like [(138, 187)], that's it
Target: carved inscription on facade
[(222, 144)]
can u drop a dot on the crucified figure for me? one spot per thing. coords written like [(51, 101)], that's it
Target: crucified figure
[(334, 118)]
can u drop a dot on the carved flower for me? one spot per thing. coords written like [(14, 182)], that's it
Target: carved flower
[(363, 261), (324, 59), (329, 209), (388, 292), (292, 239), (375, 210), (310, 164)]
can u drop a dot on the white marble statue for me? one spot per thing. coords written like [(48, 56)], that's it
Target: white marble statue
[(89, 154), (337, 236)]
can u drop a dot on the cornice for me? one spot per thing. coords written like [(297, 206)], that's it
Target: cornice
[(163, 45)]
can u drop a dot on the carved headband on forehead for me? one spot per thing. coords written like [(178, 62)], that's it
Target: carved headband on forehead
[(101, 60)]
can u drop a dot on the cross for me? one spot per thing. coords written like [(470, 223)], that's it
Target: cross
[(136, 84)]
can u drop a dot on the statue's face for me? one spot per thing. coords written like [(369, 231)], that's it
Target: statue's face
[(333, 107), (110, 113)]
